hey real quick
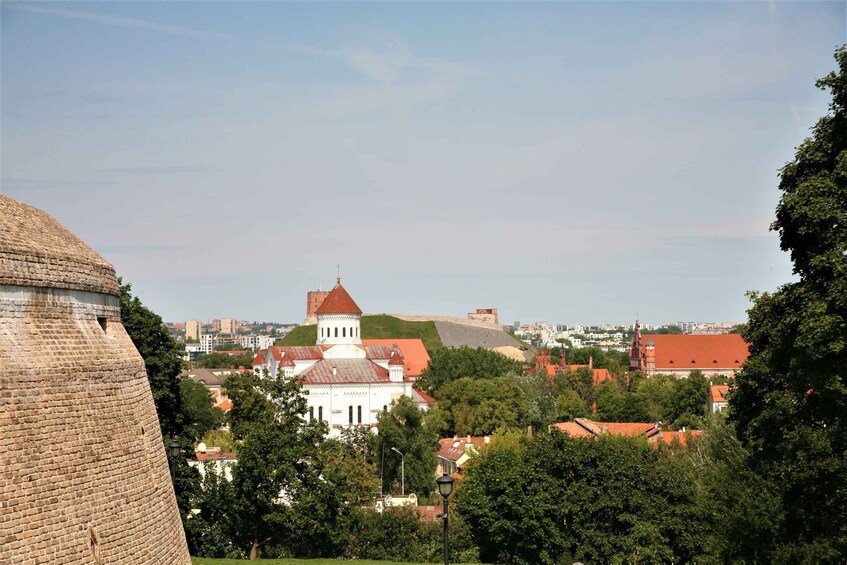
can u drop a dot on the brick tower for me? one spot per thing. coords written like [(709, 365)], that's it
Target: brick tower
[(83, 473)]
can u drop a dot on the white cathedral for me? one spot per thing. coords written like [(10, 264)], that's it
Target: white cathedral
[(348, 381)]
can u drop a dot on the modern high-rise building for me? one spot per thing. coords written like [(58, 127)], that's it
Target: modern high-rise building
[(193, 329)]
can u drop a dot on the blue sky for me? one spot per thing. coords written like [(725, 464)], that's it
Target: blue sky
[(569, 162)]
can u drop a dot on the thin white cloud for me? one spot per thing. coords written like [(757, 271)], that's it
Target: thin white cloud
[(133, 23), (384, 64)]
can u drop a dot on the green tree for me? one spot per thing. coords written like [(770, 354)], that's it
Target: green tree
[(740, 511), (163, 362), (790, 399), (569, 406), (276, 460), (162, 359), (406, 428), (499, 401), (690, 400), (614, 404), (656, 394), (223, 361), (543, 500), (200, 410), (447, 364)]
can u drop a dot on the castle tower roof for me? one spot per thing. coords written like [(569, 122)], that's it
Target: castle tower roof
[(36, 250), (338, 302)]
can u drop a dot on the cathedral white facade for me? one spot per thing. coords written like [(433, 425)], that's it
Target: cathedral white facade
[(348, 381)]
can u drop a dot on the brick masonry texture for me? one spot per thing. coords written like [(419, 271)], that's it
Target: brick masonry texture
[(83, 473)]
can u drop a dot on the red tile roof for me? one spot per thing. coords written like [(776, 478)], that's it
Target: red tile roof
[(452, 449), (718, 392), (583, 427), (378, 351), (215, 455), (396, 359), (704, 352), (347, 371), (259, 359), (301, 352), (423, 396), (414, 353), (338, 302), (682, 437)]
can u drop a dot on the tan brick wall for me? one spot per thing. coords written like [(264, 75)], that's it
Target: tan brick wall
[(83, 474)]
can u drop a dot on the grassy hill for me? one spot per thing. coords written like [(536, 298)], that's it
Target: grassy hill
[(374, 327)]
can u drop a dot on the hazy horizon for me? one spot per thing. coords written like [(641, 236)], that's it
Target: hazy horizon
[(566, 162)]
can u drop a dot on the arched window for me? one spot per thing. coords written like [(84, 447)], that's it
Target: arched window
[(320, 413), (360, 413), (343, 332), (336, 332), (351, 414)]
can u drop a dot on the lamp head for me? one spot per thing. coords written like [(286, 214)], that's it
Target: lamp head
[(174, 448), (445, 485), (394, 449)]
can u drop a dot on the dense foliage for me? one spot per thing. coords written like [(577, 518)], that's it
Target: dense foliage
[(224, 361), (414, 434), (163, 361), (448, 364), (556, 499), (790, 403)]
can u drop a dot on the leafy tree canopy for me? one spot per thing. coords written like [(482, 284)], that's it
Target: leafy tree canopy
[(414, 433), (447, 364), (790, 399), (223, 361)]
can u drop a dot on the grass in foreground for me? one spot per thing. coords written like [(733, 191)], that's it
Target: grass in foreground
[(374, 327), (208, 561)]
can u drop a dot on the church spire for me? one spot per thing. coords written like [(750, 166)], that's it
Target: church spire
[(338, 275)]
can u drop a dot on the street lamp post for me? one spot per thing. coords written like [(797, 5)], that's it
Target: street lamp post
[(174, 449), (402, 471), (445, 487)]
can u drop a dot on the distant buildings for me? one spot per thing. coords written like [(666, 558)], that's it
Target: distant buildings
[(193, 329), (229, 326), (679, 354), (717, 398)]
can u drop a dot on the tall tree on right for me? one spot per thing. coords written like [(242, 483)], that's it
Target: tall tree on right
[(790, 400)]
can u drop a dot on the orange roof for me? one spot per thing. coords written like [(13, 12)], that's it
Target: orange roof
[(668, 437), (718, 392), (583, 427), (601, 375), (705, 352), (338, 302), (572, 429), (413, 351), (453, 448)]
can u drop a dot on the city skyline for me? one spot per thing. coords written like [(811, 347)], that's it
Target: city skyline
[(565, 162)]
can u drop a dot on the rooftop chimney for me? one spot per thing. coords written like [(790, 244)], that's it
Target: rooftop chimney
[(334, 371)]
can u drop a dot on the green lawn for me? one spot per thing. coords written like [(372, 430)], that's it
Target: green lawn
[(207, 561), (374, 327)]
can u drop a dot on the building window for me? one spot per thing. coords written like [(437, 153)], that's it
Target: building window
[(311, 413), (360, 413), (320, 413), (336, 332), (343, 332), (351, 414)]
